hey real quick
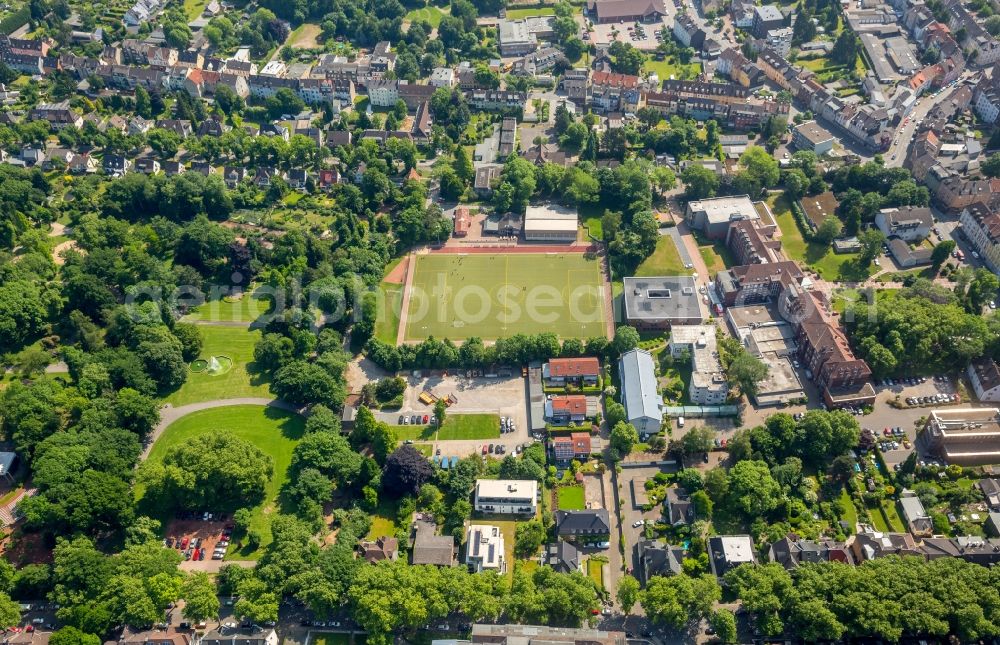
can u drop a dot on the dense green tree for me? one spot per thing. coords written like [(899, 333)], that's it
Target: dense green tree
[(678, 600)]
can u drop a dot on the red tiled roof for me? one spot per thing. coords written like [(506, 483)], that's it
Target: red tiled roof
[(614, 80), (574, 367), (574, 404)]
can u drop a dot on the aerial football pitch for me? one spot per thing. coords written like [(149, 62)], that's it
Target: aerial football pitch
[(498, 295)]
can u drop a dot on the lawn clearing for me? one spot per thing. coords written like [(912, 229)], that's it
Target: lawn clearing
[(305, 36), (492, 296), (514, 14), (330, 638), (469, 426), (245, 308), (595, 570), (387, 319), (819, 257), (571, 498), (237, 343), (672, 68), (274, 431), (383, 521), (665, 260), (429, 14), (193, 8)]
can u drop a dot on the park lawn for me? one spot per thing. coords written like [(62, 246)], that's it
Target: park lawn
[(246, 308), (571, 498), (239, 382), (430, 14), (492, 296), (595, 570), (383, 521), (819, 257), (665, 260), (275, 432), (469, 426)]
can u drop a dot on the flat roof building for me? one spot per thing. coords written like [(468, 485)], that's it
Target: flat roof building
[(660, 302), (726, 552), (520, 37), (770, 338), (506, 496), (606, 11), (484, 548), (708, 382), (550, 223), (713, 216), (966, 437), (813, 137), (643, 405)]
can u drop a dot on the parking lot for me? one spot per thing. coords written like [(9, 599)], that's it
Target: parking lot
[(198, 538), (641, 35), (505, 396)]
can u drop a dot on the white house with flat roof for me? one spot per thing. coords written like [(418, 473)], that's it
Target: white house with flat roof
[(708, 383), (484, 548), (506, 496), (643, 405)]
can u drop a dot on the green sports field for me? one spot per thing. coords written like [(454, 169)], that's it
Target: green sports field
[(495, 296)]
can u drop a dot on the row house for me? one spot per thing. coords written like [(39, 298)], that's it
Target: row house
[(80, 66), (538, 62), (734, 65), (25, 46), (954, 192), (981, 226), (985, 46), (576, 84), (141, 12), (326, 90), (496, 100), (24, 63), (986, 98), (611, 92), (264, 87), (59, 115), (191, 58), (129, 78), (238, 67)]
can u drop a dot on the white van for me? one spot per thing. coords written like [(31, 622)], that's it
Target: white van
[(680, 422)]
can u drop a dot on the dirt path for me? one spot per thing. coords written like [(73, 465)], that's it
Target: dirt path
[(398, 273), (169, 414)]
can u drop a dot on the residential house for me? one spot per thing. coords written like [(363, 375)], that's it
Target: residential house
[(506, 497), (233, 175), (971, 548), (584, 371), (984, 375), (59, 115), (484, 548), (658, 559), (83, 164), (813, 137), (383, 548), (792, 551), (116, 165), (726, 552), (990, 488), (180, 127), (583, 526), (327, 178), (708, 385), (430, 548), (687, 31), (147, 165), (917, 519), (766, 18), (981, 226), (563, 557), (909, 223), (298, 178), (577, 445), (224, 635), (171, 168), (265, 175), (566, 409), (677, 507)]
